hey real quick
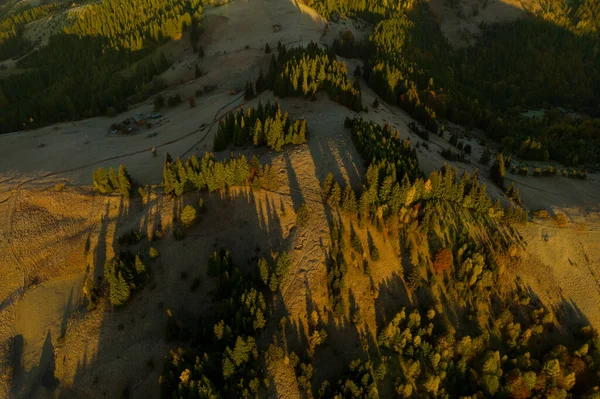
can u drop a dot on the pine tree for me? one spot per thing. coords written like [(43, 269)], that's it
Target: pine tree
[(498, 171), (140, 267), (249, 92), (267, 49), (327, 186), (114, 179), (485, 157), (261, 84), (349, 203), (101, 181), (357, 72), (336, 195), (124, 183)]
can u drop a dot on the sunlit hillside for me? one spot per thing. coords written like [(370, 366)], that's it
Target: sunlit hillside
[(299, 199)]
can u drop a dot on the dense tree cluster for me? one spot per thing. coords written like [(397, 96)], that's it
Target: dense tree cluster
[(126, 27), (454, 156), (566, 138), (508, 361), (12, 43), (112, 181), (372, 10), (264, 125), (208, 174), (72, 78), (224, 358), (101, 61), (378, 143), (302, 71), (398, 79), (409, 62), (440, 221), (123, 274)]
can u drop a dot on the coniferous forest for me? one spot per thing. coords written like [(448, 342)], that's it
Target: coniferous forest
[(434, 259), (544, 62), (264, 125), (304, 71), (102, 60)]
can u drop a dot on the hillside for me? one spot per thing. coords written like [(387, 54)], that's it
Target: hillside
[(344, 242)]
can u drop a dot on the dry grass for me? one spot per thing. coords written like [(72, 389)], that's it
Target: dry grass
[(57, 232)]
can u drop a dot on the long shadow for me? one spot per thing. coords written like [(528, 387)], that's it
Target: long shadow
[(245, 221), (295, 190), (40, 379), (100, 250)]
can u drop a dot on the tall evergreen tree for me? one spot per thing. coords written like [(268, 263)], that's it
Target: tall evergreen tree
[(498, 170)]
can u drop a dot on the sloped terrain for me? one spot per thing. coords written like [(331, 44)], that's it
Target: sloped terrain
[(54, 238)]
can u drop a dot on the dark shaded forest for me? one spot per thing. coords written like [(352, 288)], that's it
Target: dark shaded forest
[(102, 61), (548, 61)]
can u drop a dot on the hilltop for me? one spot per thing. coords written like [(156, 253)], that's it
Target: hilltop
[(366, 231)]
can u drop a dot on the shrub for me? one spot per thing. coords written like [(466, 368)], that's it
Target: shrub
[(188, 216), (142, 192), (153, 253), (89, 290), (541, 214), (60, 186), (302, 215), (561, 219), (443, 260), (178, 235)]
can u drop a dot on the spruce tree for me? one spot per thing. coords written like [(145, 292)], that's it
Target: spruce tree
[(498, 171), (485, 157), (101, 181), (327, 186), (124, 183), (261, 83), (249, 92), (114, 179), (349, 203)]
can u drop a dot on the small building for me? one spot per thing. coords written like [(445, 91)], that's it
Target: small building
[(139, 119)]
